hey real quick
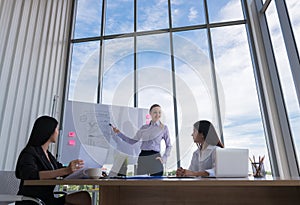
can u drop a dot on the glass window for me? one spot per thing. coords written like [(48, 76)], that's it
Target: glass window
[(88, 24), (293, 8), (84, 72), (194, 88), (242, 123), (118, 72), (154, 80), (119, 17), (187, 13), (152, 15), (225, 10), (153, 51), (285, 75)]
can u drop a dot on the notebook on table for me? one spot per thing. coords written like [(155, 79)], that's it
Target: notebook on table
[(231, 162)]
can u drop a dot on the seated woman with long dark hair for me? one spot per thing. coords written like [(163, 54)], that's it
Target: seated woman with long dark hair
[(203, 160), (36, 162)]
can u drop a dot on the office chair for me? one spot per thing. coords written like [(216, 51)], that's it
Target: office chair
[(9, 187)]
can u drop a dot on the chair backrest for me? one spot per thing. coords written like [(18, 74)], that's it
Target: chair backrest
[(9, 184)]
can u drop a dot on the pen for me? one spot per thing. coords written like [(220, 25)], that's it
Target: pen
[(262, 159), (114, 128)]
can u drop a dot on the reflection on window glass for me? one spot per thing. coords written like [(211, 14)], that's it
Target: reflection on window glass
[(119, 17), (84, 72), (118, 72), (285, 75), (225, 10), (293, 10), (193, 82), (88, 24), (187, 13), (152, 15), (242, 123)]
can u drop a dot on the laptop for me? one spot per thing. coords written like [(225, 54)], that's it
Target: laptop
[(231, 162)]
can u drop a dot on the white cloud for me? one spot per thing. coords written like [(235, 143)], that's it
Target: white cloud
[(193, 14), (231, 11), (152, 16), (293, 7), (93, 11), (119, 16)]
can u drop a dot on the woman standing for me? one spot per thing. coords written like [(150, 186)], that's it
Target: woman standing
[(36, 162), (150, 160), (203, 160)]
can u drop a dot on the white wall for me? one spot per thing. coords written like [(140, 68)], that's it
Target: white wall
[(33, 53)]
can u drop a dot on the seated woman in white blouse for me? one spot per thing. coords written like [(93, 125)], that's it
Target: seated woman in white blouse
[(203, 160)]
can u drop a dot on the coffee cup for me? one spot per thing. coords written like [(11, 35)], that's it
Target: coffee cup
[(93, 173)]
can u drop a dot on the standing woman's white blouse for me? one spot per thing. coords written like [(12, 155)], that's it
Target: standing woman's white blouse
[(204, 160)]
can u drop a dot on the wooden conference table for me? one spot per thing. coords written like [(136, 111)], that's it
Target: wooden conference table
[(189, 191)]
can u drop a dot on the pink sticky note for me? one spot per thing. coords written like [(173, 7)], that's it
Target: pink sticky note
[(72, 142), (148, 119), (72, 134)]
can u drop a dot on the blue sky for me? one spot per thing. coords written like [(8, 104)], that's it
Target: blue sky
[(236, 85)]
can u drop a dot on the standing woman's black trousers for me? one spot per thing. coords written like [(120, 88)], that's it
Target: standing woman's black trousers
[(148, 164)]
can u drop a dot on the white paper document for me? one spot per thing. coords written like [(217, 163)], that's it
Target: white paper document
[(79, 174)]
